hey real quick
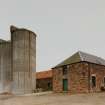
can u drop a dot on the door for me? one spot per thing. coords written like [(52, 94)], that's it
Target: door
[(65, 85)]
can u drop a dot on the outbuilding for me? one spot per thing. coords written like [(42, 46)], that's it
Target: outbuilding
[(44, 80), (80, 73)]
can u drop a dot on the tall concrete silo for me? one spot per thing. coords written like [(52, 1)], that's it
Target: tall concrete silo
[(5, 66), (23, 60)]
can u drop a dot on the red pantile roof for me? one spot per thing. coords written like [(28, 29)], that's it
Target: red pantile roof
[(44, 74)]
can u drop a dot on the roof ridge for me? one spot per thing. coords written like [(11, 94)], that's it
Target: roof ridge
[(79, 52)]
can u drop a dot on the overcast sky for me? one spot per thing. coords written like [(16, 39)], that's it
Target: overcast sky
[(62, 26)]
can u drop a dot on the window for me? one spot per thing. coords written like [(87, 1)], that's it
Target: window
[(93, 81), (64, 70)]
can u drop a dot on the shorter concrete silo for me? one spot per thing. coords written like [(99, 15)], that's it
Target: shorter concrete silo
[(5, 66)]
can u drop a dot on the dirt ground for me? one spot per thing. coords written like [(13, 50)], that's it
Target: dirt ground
[(55, 99)]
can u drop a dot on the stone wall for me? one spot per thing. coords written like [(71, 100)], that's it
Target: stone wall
[(79, 77), (57, 80), (99, 72)]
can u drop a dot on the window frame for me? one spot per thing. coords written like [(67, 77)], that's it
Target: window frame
[(95, 82), (65, 70)]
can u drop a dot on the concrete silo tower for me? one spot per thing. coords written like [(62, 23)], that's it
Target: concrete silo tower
[(23, 47), (5, 66)]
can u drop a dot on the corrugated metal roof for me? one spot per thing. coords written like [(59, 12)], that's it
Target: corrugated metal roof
[(82, 56)]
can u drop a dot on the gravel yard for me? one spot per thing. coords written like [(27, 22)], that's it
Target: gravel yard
[(54, 99)]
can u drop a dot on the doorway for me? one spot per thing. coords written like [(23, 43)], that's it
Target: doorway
[(65, 85), (93, 81)]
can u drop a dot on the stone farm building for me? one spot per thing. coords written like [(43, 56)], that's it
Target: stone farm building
[(18, 62), (80, 73), (44, 80)]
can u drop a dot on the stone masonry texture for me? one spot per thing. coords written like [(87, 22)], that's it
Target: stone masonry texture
[(79, 76)]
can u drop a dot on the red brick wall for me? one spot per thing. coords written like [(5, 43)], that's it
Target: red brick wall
[(79, 77)]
